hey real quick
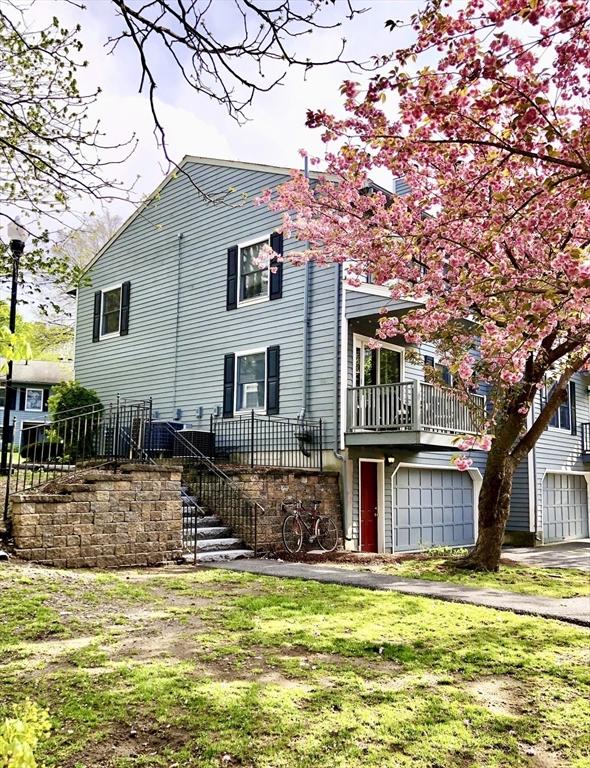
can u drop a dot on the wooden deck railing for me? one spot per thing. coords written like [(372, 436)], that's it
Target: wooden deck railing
[(415, 406), (585, 430)]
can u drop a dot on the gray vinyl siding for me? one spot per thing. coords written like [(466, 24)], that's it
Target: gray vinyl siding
[(179, 328), (520, 519)]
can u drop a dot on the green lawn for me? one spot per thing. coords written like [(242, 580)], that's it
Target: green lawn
[(185, 668)]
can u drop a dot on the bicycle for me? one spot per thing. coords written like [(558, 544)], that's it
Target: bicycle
[(301, 522)]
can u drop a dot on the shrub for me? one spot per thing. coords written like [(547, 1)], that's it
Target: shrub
[(70, 427), (20, 735), (68, 395)]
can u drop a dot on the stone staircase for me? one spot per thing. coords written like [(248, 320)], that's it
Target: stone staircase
[(214, 540)]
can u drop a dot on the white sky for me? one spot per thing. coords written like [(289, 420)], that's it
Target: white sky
[(194, 124)]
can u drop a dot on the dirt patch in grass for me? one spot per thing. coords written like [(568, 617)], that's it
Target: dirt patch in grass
[(137, 742), (503, 695)]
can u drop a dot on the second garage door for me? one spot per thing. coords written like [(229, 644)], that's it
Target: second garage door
[(432, 507), (565, 507)]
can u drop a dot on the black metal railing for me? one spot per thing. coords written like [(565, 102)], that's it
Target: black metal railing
[(268, 441), (585, 430), (191, 511), (91, 436), (214, 493)]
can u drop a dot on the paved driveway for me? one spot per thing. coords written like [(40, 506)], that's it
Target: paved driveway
[(569, 554)]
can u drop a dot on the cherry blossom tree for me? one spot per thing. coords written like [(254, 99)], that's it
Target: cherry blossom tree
[(486, 115)]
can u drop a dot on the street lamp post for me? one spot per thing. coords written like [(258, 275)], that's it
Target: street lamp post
[(17, 237)]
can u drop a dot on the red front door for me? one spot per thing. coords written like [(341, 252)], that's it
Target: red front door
[(369, 510)]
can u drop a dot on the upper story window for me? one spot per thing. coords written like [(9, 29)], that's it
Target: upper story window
[(111, 312), (444, 375), (253, 274), (562, 418), (34, 400), (251, 381), (250, 278), (110, 322), (382, 364)]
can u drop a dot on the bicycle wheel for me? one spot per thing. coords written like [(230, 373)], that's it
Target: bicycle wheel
[(326, 534), (292, 534)]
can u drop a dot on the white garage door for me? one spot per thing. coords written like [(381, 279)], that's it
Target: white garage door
[(432, 507), (565, 507)]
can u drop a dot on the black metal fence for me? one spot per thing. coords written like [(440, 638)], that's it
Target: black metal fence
[(212, 492), (256, 440), (93, 435), (585, 429)]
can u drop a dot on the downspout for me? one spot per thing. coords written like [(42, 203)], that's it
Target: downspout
[(306, 323), (535, 486), (340, 361), (177, 325)]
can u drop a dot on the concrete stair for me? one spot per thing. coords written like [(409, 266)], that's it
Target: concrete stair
[(215, 541)]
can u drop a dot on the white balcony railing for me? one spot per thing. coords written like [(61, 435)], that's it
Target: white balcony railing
[(413, 406)]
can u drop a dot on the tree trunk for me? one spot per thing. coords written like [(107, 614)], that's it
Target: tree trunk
[(494, 502)]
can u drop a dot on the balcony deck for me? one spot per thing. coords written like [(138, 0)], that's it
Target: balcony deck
[(411, 414)]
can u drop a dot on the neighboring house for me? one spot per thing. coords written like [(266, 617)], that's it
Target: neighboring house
[(179, 309), (31, 386)]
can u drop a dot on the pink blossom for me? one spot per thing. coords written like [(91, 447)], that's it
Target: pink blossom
[(462, 463)]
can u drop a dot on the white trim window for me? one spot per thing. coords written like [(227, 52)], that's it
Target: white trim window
[(562, 418), (33, 399), (253, 274), (377, 364), (250, 387), (110, 311)]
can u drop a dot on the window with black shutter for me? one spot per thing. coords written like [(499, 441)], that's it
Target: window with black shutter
[(562, 418), (251, 278), (111, 312)]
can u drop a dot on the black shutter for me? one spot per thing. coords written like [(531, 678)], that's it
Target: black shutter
[(229, 367), (573, 415), (125, 298), (428, 361), (276, 266), (45, 399), (22, 399), (272, 380), (232, 277), (96, 320)]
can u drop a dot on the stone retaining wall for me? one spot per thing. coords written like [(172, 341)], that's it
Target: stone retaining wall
[(273, 485), (100, 518)]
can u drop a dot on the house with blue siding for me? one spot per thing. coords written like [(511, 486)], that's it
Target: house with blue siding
[(32, 381), (180, 308)]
